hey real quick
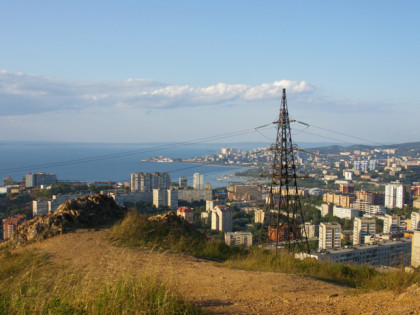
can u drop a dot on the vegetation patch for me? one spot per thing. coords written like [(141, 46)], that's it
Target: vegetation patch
[(32, 284), (169, 232), (365, 278)]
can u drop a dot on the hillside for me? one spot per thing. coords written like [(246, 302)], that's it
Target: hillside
[(410, 148), (214, 288)]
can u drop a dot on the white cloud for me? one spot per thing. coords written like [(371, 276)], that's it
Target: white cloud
[(24, 94)]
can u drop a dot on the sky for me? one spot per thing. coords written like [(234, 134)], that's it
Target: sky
[(158, 71)]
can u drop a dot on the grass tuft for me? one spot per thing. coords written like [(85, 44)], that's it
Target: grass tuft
[(30, 283), (365, 278), (137, 231)]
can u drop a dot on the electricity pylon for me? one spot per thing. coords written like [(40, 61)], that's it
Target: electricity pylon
[(286, 222)]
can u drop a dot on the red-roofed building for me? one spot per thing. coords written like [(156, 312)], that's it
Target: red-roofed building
[(11, 223), (186, 213)]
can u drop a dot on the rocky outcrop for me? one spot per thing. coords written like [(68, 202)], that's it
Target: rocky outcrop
[(84, 212)]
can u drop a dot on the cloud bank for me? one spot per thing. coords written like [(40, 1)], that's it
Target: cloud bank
[(25, 94)]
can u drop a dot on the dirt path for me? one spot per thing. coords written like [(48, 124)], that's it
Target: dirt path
[(221, 290)]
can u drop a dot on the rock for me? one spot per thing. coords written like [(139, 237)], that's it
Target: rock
[(84, 212)]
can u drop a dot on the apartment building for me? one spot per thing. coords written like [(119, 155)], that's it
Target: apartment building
[(10, 224), (238, 238), (329, 235), (146, 182), (415, 221), (198, 181), (391, 223), (361, 228), (380, 253), (397, 195), (221, 219), (38, 179), (165, 198)]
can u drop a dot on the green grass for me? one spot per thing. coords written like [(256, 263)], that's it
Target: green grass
[(365, 278), (31, 284), (137, 231)]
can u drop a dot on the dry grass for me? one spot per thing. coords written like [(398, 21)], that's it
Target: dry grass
[(137, 231), (365, 278), (30, 283)]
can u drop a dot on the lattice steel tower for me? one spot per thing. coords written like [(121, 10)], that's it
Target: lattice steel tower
[(286, 222)]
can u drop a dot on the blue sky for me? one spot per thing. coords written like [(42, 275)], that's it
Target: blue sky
[(136, 71)]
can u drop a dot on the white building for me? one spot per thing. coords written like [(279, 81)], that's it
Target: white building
[(40, 207), (326, 209), (361, 228), (415, 221), (396, 195), (348, 175), (391, 223), (238, 238), (221, 219), (345, 213), (198, 181), (329, 235), (259, 216), (165, 198)]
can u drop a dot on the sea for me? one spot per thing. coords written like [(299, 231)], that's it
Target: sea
[(92, 162)]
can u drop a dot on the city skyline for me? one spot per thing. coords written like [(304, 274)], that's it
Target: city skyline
[(162, 71)]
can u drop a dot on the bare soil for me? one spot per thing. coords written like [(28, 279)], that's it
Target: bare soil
[(220, 290)]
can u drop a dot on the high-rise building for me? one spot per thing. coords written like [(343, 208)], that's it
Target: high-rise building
[(361, 228), (311, 230), (415, 221), (391, 223), (260, 216), (396, 195), (165, 198), (329, 235), (364, 166), (415, 250), (183, 182), (38, 179), (198, 181), (221, 219), (146, 182)]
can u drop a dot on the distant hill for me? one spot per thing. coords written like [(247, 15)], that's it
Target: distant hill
[(409, 148)]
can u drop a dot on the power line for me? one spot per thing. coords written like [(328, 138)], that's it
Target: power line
[(133, 152)]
